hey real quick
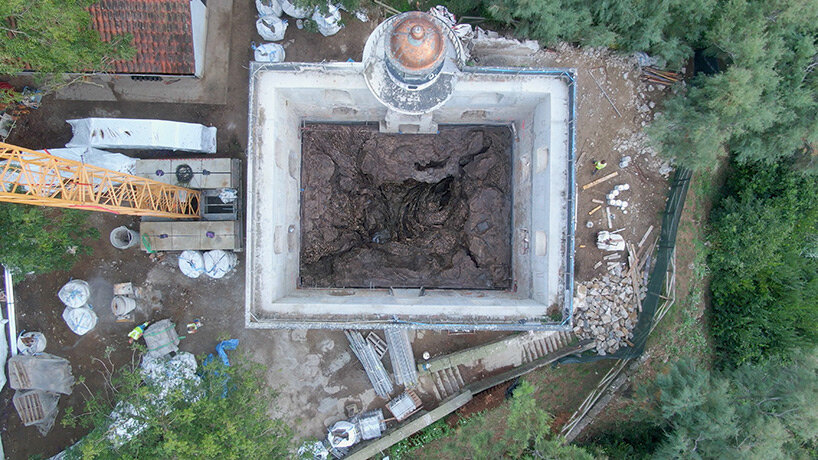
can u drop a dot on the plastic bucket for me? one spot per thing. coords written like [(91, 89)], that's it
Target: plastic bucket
[(122, 305), (124, 238)]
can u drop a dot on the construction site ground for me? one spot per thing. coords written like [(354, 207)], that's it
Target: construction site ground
[(314, 372)]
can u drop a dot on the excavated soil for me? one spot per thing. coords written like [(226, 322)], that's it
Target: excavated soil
[(406, 210)]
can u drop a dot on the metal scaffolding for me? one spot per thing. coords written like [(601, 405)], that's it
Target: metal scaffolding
[(37, 178)]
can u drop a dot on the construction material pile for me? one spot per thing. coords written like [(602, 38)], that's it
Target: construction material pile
[(606, 312)]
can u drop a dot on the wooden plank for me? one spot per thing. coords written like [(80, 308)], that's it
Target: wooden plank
[(645, 236), (608, 213), (594, 200), (634, 263), (594, 210), (600, 180)]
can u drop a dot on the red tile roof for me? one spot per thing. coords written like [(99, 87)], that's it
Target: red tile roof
[(161, 29)]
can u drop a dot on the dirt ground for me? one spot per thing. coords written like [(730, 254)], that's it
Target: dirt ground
[(406, 210), (313, 372)]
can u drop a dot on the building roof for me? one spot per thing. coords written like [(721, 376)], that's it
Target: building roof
[(161, 29)]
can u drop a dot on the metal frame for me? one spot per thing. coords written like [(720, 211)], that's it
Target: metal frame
[(31, 177)]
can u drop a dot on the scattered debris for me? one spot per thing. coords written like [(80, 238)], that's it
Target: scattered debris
[(605, 312), (608, 241), (193, 327)]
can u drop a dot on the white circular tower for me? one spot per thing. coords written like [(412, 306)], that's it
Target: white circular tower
[(411, 62)]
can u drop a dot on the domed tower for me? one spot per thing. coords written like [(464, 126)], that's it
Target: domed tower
[(411, 62)]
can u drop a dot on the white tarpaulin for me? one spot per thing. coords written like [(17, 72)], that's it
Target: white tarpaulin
[(127, 133), (96, 157)]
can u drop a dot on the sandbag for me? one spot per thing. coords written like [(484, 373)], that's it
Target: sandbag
[(330, 23), (31, 343), (80, 320), (191, 263), (295, 11), (74, 293), (268, 52), (271, 28), (268, 8), (218, 263)]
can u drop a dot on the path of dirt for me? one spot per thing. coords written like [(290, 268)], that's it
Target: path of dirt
[(406, 210)]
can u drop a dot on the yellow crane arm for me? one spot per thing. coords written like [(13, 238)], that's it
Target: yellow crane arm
[(37, 178)]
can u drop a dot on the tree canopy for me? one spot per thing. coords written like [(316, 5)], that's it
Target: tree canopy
[(39, 240), (761, 105), (225, 416), (765, 273), (54, 37)]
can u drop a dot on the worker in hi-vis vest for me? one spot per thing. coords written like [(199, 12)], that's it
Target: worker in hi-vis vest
[(598, 166)]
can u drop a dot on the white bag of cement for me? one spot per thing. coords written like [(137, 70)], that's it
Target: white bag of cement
[(268, 52), (191, 263), (295, 11), (463, 31), (96, 157), (330, 23), (80, 320), (268, 8), (130, 133), (74, 293), (218, 263), (608, 241), (271, 28)]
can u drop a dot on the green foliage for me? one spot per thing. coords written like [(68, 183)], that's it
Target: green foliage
[(762, 105), (39, 240), (54, 37), (525, 433), (192, 421), (322, 5), (765, 284), (759, 411)]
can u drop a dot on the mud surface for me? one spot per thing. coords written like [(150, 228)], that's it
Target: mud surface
[(406, 210)]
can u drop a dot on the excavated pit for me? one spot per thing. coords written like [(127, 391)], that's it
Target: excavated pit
[(406, 210)]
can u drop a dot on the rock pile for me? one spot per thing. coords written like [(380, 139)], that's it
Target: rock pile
[(605, 311)]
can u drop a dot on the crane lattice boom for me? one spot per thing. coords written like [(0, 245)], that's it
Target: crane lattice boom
[(41, 179)]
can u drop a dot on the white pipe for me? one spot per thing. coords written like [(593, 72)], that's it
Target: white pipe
[(12, 317)]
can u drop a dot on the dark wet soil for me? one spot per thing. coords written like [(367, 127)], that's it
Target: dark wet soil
[(406, 210)]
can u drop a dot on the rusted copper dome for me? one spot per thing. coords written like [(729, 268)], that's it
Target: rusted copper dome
[(416, 44)]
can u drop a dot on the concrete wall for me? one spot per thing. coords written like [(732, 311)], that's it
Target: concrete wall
[(198, 22), (285, 96)]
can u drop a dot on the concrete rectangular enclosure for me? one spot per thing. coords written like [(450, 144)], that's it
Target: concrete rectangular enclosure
[(536, 104)]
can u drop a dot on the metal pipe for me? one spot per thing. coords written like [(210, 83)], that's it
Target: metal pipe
[(12, 316)]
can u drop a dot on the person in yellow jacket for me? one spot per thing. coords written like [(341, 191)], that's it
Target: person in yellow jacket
[(137, 332), (599, 166)]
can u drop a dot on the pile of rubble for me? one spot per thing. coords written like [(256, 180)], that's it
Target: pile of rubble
[(605, 311)]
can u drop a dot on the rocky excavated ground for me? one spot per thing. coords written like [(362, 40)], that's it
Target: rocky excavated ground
[(605, 311)]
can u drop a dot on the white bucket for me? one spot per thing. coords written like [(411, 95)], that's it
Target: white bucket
[(122, 305), (124, 238)]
